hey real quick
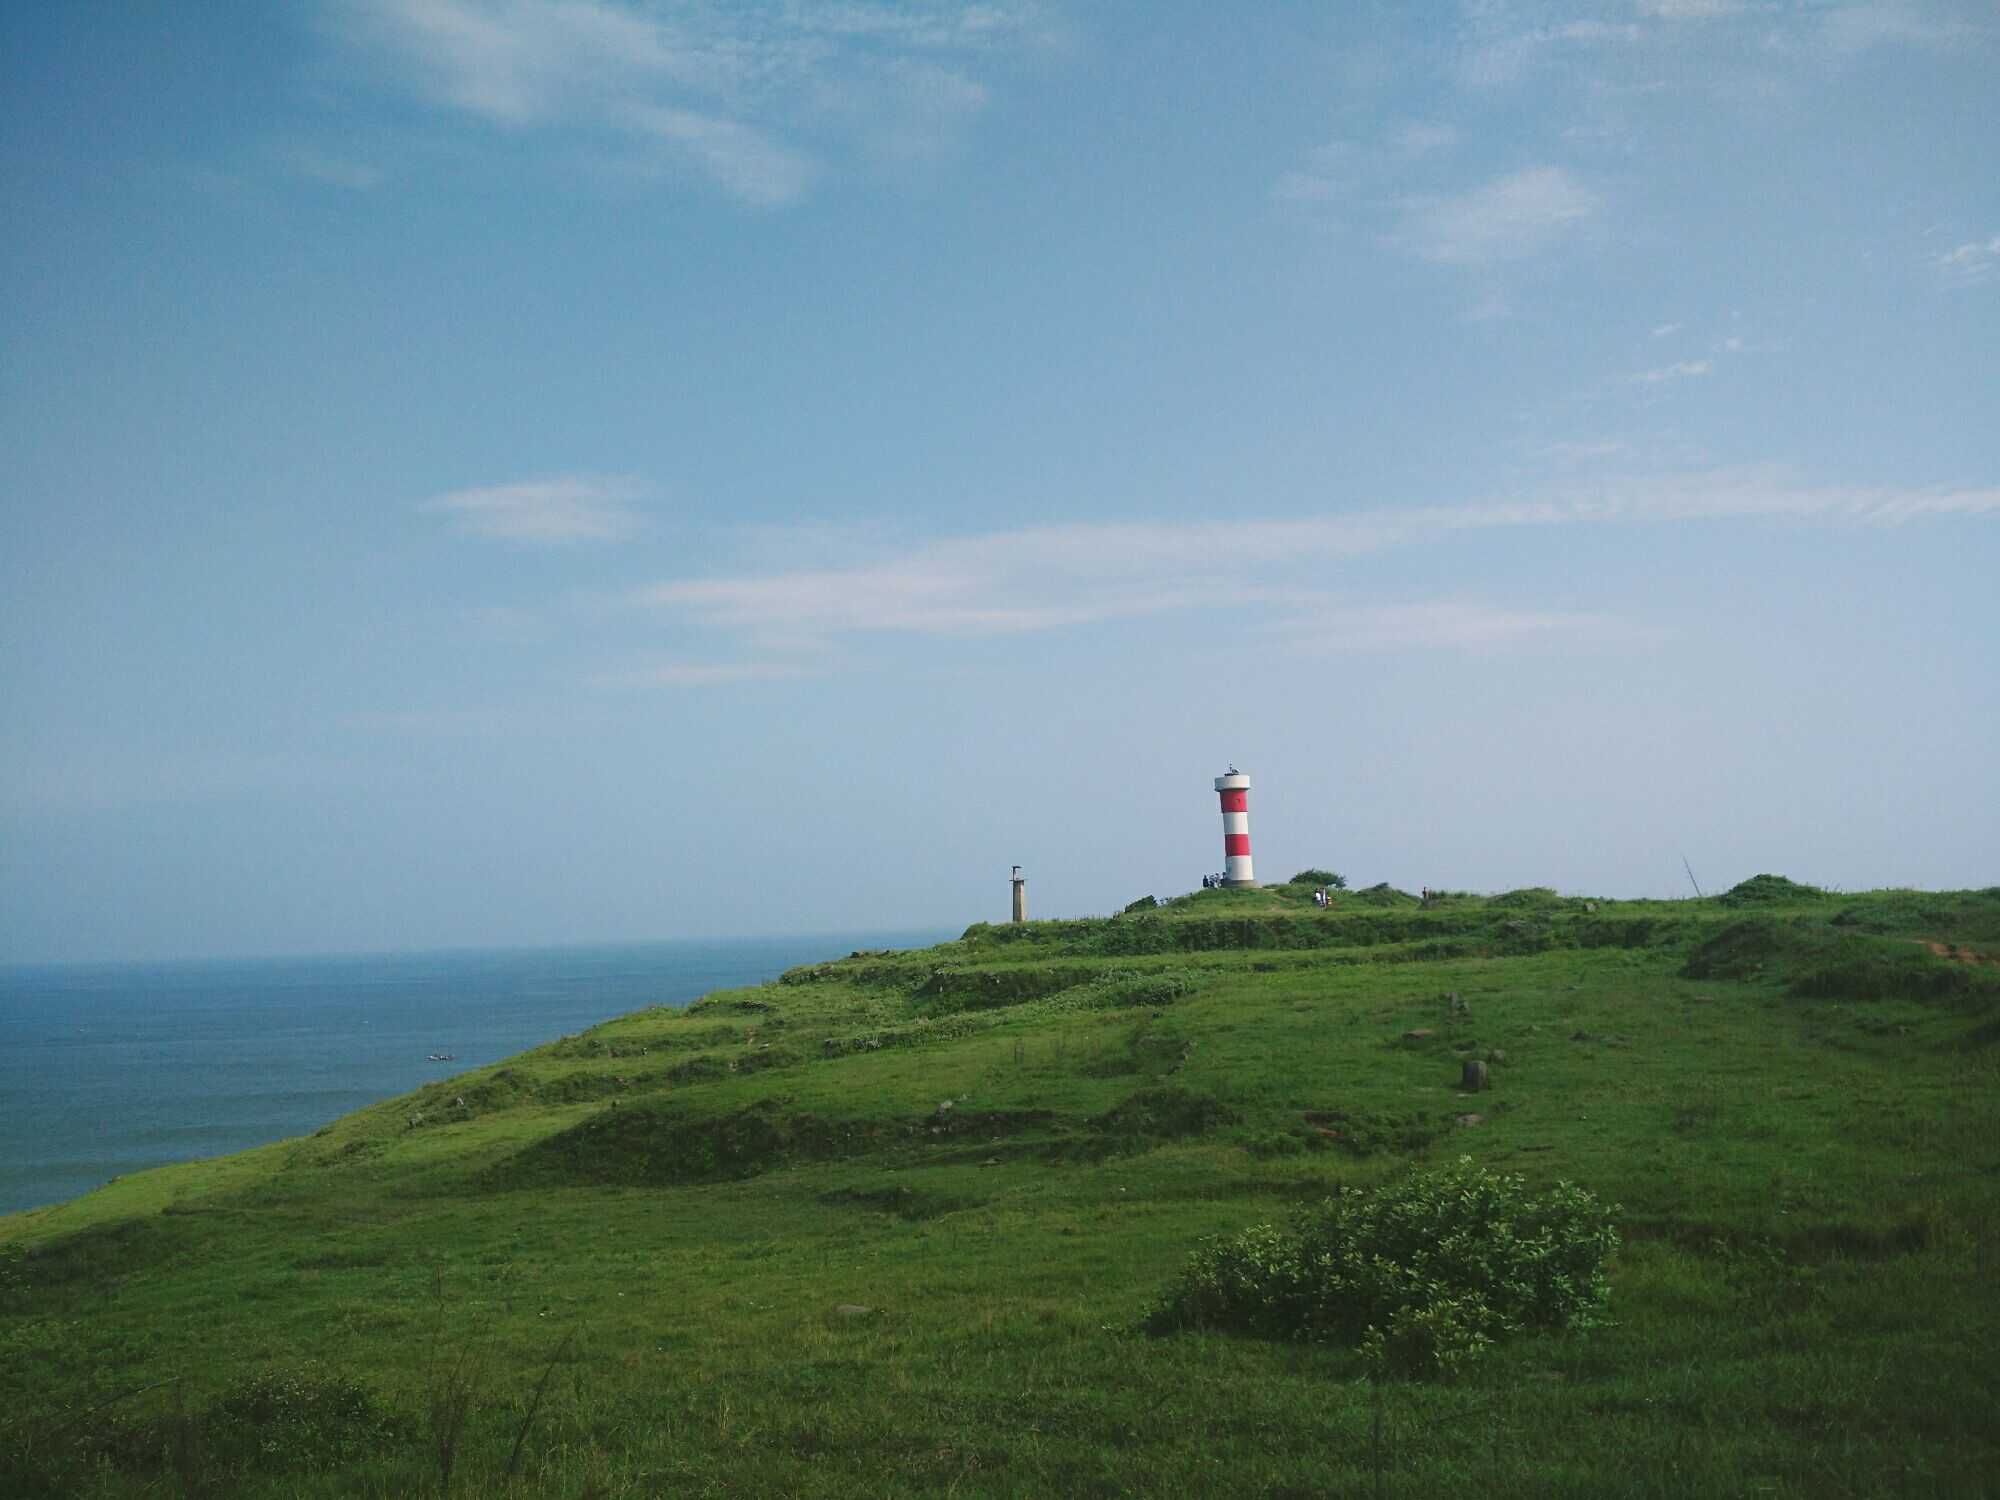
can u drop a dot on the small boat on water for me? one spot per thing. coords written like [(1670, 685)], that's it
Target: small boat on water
[(444, 1057)]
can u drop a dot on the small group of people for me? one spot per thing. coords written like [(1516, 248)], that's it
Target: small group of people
[(1211, 882), (1323, 896)]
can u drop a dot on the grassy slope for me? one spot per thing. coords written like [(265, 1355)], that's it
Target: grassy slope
[(1791, 1095)]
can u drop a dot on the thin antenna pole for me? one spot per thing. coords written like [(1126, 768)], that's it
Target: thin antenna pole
[(1691, 880)]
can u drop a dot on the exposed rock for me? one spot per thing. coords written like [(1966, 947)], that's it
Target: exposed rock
[(1420, 1034), (852, 1310), (1496, 1055), (1470, 1120), (1472, 1076)]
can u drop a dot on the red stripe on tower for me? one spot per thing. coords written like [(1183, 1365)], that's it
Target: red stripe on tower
[(1234, 790)]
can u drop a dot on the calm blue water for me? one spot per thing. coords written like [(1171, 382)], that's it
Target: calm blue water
[(109, 1068)]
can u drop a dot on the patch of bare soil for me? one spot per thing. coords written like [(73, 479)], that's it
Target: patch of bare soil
[(1957, 954)]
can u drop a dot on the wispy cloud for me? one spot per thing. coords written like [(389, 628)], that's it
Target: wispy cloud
[(1513, 216), (752, 97), (1378, 184), (745, 161), (1683, 369), (572, 508), (1052, 578), (1972, 263), (1498, 51), (1689, 10)]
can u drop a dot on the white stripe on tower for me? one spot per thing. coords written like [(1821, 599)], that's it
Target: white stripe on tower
[(1234, 790)]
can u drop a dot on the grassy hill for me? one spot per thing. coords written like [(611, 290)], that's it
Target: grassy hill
[(893, 1224)]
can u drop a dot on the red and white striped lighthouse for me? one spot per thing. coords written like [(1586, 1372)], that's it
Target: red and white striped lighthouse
[(1235, 792)]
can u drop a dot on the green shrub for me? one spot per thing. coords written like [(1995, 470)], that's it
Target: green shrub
[(1319, 877), (1419, 1275), (1144, 903)]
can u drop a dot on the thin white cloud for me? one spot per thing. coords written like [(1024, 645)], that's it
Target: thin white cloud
[(1514, 216), (523, 62), (753, 97), (745, 161), (1688, 10), (564, 509), (1665, 330), (1499, 53), (1972, 263), (1050, 578), (1684, 369)]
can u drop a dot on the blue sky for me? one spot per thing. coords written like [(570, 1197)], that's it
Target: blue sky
[(560, 470)]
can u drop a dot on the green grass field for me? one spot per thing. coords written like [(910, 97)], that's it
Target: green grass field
[(894, 1224)]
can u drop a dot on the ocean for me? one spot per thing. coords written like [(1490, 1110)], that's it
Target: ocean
[(107, 1069)]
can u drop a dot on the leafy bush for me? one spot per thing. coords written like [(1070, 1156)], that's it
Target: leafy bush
[(1320, 877), (1420, 1275), (1144, 903)]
